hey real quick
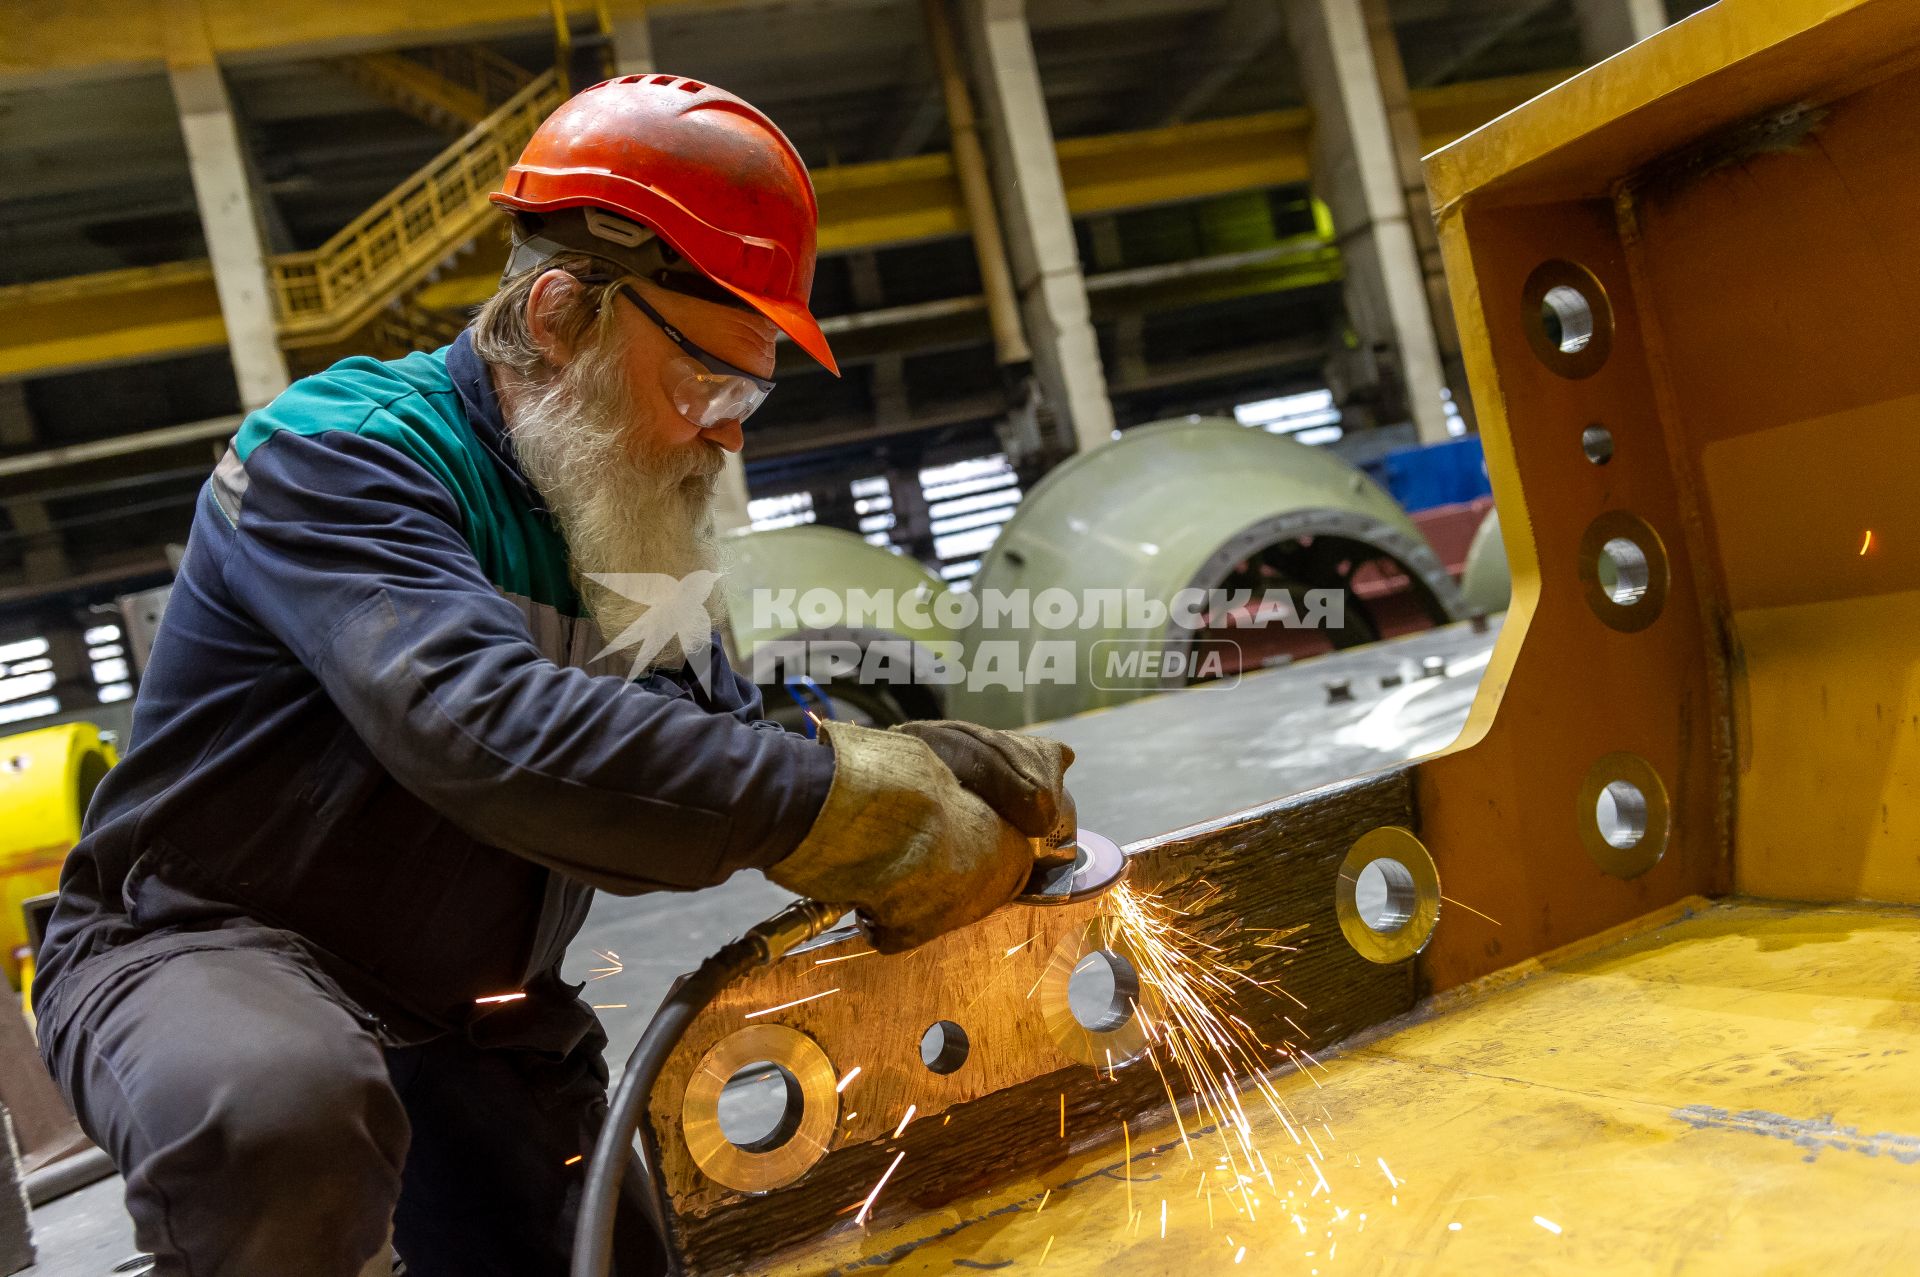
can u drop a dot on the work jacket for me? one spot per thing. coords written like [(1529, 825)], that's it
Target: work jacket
[(370, 719)]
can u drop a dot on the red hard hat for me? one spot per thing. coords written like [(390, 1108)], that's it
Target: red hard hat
[(708, 172)]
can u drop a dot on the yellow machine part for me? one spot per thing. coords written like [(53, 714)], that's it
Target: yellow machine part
[(1721, 1089), (46, 779)]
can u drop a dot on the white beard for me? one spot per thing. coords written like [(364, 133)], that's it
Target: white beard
[(622, 507)]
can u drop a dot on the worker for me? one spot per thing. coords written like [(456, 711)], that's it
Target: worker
[(303, 981)]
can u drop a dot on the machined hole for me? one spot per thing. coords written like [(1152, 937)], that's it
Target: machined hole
[(1385, 895), (1568, 319), (1621, 813), (1623, 571), (760, 1106), (1597, 442), (944, 1047), (1103, 991)]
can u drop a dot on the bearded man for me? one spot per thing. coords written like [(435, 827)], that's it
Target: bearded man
[(303, 979)]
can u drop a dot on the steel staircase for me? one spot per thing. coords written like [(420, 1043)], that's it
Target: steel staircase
[(450, 88), (325, 296)]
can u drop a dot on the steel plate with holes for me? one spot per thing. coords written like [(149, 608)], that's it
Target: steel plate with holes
[(1402, 928), (1634, 598), (1638, 836), (1583, 336), (801, 1138)]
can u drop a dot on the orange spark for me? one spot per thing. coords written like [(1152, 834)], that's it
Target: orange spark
[(500, 997)]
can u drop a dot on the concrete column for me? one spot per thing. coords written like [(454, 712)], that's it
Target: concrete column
[(632, 41), (1355, 172), (232, 229), (1608, 26), (1407, 152), (1033, 211)]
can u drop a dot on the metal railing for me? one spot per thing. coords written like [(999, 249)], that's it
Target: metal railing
[(455, 84), (327, 294)]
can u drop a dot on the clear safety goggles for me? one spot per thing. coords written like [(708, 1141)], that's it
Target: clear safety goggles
[(703, 388)]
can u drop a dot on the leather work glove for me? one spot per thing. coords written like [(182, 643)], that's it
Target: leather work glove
[(1022, 777), (900, 839)]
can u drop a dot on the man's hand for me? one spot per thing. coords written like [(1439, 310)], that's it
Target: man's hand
[(900, 839), (1022, 777)]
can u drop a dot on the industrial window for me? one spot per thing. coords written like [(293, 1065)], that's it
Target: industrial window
[(1309, 418), (26, 680), (873, 505), (789, 510), (112, 674), (968, 502)]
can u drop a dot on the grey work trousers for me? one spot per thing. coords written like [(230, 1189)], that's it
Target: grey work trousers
[(265, 1132)]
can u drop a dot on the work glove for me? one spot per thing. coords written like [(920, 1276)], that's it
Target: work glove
[(1022, 777), (901, 840)]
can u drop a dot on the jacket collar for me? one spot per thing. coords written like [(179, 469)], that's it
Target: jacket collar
[(469, 374)]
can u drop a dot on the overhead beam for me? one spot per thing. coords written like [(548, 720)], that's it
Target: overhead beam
[(156, 312)]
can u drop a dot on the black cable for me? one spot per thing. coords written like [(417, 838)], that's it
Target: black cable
[(599, 1203)]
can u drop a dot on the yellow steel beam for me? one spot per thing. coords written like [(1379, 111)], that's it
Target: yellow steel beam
[(154, 312), (148, 312)]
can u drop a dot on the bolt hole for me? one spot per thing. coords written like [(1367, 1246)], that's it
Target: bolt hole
[(1597, 443), (1621, 813), (1568, 318), (760, 1106), (1103, 991), (1384, 895), (944, 1047), (1623, 571)]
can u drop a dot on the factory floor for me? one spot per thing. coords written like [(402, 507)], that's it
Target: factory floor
[(1730, 1088), (1142, 768)]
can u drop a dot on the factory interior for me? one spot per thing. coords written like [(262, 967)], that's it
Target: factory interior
[(1428, 470)]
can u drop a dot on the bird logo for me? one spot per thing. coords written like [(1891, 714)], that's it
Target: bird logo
[(675, 611)]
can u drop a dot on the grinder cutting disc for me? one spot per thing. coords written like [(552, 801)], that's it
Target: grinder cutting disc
[(1098, 863)]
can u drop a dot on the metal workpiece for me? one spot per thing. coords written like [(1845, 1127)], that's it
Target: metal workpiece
[(975, 1056), (767, 582), (1200, 503)]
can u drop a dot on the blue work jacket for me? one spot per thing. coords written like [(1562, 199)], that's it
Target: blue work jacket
[(369, 720)]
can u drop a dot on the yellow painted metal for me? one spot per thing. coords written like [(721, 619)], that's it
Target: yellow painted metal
[(46, 778), (1745, 269), (325, 295), (146, 312), (1731, 1093), (154, 312)]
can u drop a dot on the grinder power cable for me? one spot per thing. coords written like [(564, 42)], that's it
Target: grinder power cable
[(1097, 867)]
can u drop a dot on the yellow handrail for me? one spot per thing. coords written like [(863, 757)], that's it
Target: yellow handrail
[(454, 84), (325, 294)]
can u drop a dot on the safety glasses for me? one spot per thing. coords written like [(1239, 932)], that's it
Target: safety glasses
[(703, 388)]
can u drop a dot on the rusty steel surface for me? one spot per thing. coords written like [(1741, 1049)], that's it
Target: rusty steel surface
[(1034, 1084)]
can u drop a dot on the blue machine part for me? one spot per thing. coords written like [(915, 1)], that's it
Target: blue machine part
[(1434, 474)]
